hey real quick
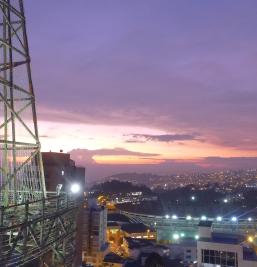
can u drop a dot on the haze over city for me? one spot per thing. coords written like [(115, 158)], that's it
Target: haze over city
[(146, 86)]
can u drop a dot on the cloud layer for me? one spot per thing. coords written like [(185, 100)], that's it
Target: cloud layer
[(84, 157), (142, 138), (169, 66), (187, 73)]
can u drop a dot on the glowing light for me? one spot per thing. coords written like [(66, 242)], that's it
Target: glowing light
[(167, 216), (174, 217), (225, 200), (234, 219), (188, 217), (192, 197), (250, 219), (75, 188), (182, 234), (196, 237), (219, 218), (250, 239), (176, 236), (203, 218)]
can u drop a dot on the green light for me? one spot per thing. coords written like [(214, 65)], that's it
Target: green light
[(176, 236)]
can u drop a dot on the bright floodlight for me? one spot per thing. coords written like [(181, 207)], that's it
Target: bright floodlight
[(225, 200), (203, 218), (174, 217), (250, 239), (176, 236), (219, 218), (75, 188), (234, 219), (193, 197), (189, 217), (196, 237), (250, 219), (167, 216)]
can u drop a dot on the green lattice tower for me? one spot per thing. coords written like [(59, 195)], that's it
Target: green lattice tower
[(21, 171)]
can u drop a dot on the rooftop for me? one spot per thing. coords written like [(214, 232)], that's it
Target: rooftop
[(138, 243), (117, 217), (113, 224), (114, 258), (134, 228), (224, 238)]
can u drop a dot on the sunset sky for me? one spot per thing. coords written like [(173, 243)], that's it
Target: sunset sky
[(160, 86)]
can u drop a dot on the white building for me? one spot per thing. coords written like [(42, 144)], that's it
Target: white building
[(94, 246), (185, 250), (224, 250)]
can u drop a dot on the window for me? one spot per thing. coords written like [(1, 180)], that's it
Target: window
[(223, 258)]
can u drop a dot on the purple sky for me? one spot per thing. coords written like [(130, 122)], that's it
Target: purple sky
[(177, 74)]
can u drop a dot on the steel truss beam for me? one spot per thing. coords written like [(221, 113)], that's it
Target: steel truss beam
[(21, 171), (32, 225), (34, 229)]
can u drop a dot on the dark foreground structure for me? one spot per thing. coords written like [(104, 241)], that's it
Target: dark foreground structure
[(59, 168), (35, 226)]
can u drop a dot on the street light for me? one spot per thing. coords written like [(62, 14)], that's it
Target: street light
[(176, 236), (219, 218), (75, 188), (188, 217), (203, 218), (234, 219), (174, 217), (250, 239)]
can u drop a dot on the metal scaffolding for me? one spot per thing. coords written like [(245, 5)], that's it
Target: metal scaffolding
[(21, 172), (32, 224)]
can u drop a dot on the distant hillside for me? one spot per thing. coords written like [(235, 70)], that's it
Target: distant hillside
[(141, 178), (116, 187)]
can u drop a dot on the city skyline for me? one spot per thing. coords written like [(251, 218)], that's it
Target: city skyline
[(146, 85)]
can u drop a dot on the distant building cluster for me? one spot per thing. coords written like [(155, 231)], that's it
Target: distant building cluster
[(112, 239), (133, 197), (223, 181), (107, 237)]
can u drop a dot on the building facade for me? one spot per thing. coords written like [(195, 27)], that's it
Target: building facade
[(59, 168), (224, 250), (94, 246)]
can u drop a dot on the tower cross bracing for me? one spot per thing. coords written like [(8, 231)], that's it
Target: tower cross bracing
[(21, 173), (36, 226)]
